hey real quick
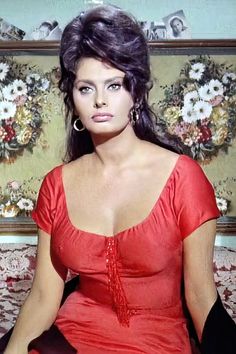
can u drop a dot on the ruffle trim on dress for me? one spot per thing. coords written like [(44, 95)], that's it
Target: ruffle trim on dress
[(114, 284)]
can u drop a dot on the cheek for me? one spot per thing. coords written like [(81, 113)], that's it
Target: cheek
[(125, 107), (126, 102), (78, 102)]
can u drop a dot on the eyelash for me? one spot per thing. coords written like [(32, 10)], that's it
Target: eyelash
[(114, 87), (83, 90)]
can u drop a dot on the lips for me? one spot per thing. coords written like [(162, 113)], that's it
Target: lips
[(102, 117)]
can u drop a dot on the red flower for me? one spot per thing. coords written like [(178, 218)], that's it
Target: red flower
[(10, 133), (205, 133)]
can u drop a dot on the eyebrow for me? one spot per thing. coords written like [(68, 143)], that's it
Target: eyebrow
[(90, 82)]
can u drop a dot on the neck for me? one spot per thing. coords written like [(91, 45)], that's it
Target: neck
[(118, 150)]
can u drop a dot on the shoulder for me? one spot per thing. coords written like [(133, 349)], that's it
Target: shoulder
[(75, 168), (51, 181), (189, 168), (54, 174), (187, 162), (183, 167), (160, 162), (191, 179), (160, 156)]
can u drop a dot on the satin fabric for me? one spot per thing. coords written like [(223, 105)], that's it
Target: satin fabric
[(146, 270)]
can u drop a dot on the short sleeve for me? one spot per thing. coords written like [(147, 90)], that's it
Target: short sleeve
[(195, 201), (45, 209)]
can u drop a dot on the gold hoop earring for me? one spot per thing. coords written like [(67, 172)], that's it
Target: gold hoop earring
[(134, 116), (78, 128)]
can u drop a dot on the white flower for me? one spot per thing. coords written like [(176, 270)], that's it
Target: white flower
[(205, 93), (228, 77), (191, 97), (25, 204), (196, 71), (8, 93), (203, 109), (20, 87), (44, 84), (4, 68), (30, 79), (7, 109), (222, 204), (188, 114), (216, 87)]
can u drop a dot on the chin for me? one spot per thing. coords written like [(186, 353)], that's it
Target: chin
[(110, 132)]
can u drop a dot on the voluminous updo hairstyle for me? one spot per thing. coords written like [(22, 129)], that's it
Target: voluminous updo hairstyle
[(109, 34)]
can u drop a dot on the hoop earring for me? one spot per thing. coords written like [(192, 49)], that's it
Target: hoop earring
[(80, 128), (134, 116)]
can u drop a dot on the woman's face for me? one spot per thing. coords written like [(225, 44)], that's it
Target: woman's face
[(177, 26), (100, 98)]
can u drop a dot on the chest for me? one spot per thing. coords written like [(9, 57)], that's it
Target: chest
[(109, 205)]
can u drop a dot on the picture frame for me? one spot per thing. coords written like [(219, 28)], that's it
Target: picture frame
[(226, 225)]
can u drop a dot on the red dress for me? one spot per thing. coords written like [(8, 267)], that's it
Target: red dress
[(129, 296)]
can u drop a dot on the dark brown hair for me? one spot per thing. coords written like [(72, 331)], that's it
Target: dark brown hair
[(110, 34)]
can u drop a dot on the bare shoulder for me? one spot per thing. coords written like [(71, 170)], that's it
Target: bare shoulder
[(159, 156), (77, 168)]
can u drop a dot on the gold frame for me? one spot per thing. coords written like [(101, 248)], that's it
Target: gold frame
[(26, 226)]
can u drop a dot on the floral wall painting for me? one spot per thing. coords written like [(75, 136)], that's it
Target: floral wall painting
[(23, 96), (199, 108), (17, 199), (194, 97), (224, 191), (31, 129)]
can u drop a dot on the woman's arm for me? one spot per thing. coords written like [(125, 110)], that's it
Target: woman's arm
[(41, 306), (200, 289)]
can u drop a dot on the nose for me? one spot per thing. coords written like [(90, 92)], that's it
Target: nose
[(100, 101)]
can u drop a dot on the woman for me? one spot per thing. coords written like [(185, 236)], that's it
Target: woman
[(119, 212)]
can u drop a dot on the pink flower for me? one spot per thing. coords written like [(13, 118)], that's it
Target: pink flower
[(216, 100), (14, 185), (20, 100)]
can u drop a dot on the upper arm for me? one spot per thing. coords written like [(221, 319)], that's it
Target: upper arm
[(50, 273), (200, 289), (198, 256), (48, 283)]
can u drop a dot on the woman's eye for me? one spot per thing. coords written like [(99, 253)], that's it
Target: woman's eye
[(114, 87), (84, 89)]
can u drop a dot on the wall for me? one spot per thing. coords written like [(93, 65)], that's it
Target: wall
[(207, 18)]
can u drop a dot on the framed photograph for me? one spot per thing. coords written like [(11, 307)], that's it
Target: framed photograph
[(189, 77), (154, 31), (176, 26), (10, 32)]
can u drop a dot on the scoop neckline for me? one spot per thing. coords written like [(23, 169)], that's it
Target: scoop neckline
[(133, 227)]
